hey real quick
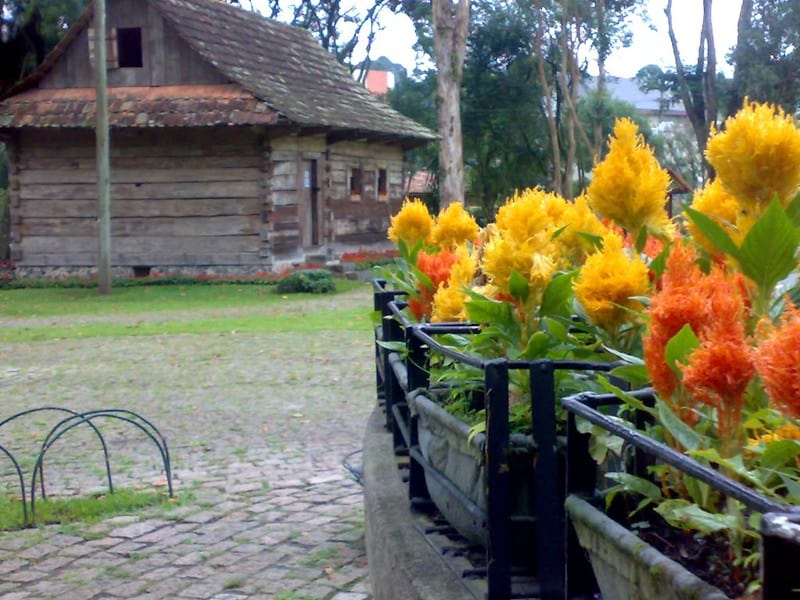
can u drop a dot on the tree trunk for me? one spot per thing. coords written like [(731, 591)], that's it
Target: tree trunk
[(699, 102), (549, 108), (451, 23), (744, 32)]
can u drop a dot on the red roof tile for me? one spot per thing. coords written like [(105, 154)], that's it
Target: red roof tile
[(167, 106)]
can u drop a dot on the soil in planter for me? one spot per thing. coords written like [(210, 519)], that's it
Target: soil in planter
[(709, 557)]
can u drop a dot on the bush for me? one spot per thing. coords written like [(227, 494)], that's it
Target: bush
[(315, 281)]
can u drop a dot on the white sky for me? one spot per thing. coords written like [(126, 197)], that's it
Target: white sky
[(397, 38)]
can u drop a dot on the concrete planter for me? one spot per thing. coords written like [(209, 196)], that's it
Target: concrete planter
[(628, 568), (446, 445)]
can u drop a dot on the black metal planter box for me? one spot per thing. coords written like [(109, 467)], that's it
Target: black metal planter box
[(625, 566), (503, 492)]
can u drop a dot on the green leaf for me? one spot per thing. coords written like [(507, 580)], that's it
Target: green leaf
[(519, 286), (633, 484), (399, 347), (556, 329), (638, 485), (680, 347), (698, 491), (768, 252), (778, 454), (595, 240), (484, 310), (475, 430), (792, 489), (685, 515), (627, 399), (636, 375), (714, 232), (793, 211), (641, 239), (683, 434), (659, 263), (557, 296), (538, 346)]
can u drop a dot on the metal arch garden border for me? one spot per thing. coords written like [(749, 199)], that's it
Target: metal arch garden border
[(21, 482), (69, 423), (16, 463), (75, 419)]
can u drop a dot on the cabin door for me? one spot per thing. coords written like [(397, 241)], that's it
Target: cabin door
[(312, 210)]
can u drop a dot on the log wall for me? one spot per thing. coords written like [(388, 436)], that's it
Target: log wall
[(178, 198), (363, 219)]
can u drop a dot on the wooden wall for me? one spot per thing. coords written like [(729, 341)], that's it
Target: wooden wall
[(364, 220), (178, 198), (167, 60), (287, 204), (222, 197), (344, 221)]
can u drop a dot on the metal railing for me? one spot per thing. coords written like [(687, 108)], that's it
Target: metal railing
[(780, 527), (403, 356)]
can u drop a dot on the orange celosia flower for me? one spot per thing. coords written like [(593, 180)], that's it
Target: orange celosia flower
[(778, 363), (437, 268), (671, 308), (713, 306), (719, 372)]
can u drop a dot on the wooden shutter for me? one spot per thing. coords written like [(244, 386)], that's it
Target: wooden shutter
[(112, 58)]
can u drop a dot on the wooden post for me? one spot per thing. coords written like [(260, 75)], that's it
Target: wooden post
[(103, 162)]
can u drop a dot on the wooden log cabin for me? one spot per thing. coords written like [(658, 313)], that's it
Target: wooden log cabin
[(238, 145)]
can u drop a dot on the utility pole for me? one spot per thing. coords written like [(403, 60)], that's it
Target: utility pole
[(103, 162)]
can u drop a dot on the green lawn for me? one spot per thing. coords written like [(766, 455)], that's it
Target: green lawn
[(142, 299), (199, 309)]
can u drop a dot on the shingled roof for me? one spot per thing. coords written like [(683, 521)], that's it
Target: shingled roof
[(280, 65)]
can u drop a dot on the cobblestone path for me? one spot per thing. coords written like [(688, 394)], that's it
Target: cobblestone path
[(259, 427)]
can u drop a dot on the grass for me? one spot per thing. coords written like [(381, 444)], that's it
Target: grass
[(131, 300), (320, 556), (88, 510), (181, 299)]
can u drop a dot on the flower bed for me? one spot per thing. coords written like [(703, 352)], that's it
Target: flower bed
[(704, 308)]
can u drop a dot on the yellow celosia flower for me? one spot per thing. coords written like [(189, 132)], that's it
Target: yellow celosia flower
[(412, 224), (784, 432), (629, 187), (529, 212), (715, 202), (579, 219), (607, 283), (757, 156), (522, 240), (454, 226), (448, 301)]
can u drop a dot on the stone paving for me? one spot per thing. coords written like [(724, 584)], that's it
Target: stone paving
[(259, 426)]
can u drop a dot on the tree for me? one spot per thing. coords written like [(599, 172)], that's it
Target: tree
[(451, 25), (505, 132), (697, 88), (767, 54), (29, 29)]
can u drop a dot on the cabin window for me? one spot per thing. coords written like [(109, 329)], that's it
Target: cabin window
[(123, 47), (356, 184), (383, 185), (129, 47)]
